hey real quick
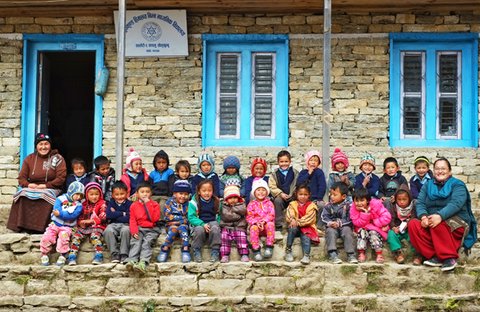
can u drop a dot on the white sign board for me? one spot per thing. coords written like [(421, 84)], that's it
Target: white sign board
[(157, 33)]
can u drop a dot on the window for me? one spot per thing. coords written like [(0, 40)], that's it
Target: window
[(245, 90), (433, 90)]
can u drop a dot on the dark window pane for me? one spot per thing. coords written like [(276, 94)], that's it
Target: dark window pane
[(263, 116), (412, 116), (448, 116), (448, 72), (412, 73), (228, 108)]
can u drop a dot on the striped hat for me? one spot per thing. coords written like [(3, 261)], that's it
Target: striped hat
[(367, 159), (339, 157), (231, 191), (207, 158)]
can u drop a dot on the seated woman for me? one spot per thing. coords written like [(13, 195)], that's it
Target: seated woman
[(444, 218), (41, 180)]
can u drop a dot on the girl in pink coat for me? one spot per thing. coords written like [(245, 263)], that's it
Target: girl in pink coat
[(370, 219)]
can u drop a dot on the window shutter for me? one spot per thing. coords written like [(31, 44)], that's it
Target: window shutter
[(448, 97), (262, 94), (412, 95), (228, 95)]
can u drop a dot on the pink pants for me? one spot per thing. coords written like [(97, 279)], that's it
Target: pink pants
[(255, 233), (56, 234)]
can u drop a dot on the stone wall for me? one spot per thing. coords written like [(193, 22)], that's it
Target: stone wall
[(164, 96)]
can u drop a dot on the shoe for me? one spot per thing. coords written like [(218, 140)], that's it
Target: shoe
[(417, 260), (225, 259), (380, 259), (197, 255), (362, 257), (186, 256), (44, 260), (399, 257), (72, 260), (305, 259), (433, 262), (245, 258), (214, 255), (98, 259), (130, 265), (288, 255), (334, 258), (449, 265), (123, 259), (257, 255), (162, 256), (141, 267), (115, 258), (268, 252), (352, 259), (61, 261)]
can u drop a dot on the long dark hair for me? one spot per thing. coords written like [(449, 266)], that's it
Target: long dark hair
[(216, 201)]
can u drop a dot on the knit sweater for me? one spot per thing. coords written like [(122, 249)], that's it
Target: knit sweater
[(372, 186), (316, 181), (49, 170), (200, 177), (195, 207)]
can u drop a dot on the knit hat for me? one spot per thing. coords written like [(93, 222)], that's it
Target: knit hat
[(42, 137), (131, 156), (231, 161), (207, 158), (421, 158), (367, 159), (93, 185), (310, 154), (75, 188), (339, 157), (161, 154), (231, 191), (259, 183), (258, 160), (182, 186)]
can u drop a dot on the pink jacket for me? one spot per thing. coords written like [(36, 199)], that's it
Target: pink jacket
[(377, 218), (258, 212)]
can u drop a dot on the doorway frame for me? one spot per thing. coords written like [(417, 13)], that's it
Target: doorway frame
[(32, 45)]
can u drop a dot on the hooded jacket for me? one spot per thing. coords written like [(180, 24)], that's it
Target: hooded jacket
[(377, 217), (94, 211), (159, 179)]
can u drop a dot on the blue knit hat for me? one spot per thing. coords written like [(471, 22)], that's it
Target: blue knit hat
[(231, 161), (182, 186), (75, 188), (207, 158)]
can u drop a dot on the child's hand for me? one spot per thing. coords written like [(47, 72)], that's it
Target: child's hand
[(384, 199), (396, 230), (334, 224), (285, 196), (392, 198), (82, 224), (344, 179), (424, 222), (135, 236), (56, 213), (207, 227), (112, 209), (366, 181)]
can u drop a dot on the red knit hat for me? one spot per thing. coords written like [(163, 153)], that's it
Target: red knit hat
[(258, 160), (339, 157)]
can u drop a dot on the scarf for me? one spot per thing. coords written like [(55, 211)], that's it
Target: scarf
[(404, 213)]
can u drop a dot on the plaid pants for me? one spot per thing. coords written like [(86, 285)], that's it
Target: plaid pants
[(364, 236), (240, 238)]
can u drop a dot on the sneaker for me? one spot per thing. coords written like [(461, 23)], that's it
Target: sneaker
[(288, 256), (141, 267), (257, 255), (449, 265), (130, 265), (399, 258), (362, 257), (245, 258), (334, 258), (123, 259), (214, 255), (433, 262), (197, 255), (268, 252), (97, 259), (72, 260), (225, 259), (305, 259), (61, 261), (44, 260), (380, 259), (352, 259), (115, 258), (186, 256), (162, 256)]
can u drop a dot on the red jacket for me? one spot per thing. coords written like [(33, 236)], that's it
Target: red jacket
[(138, 215)]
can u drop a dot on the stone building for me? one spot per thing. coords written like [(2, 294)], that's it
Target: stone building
[(404, 83)]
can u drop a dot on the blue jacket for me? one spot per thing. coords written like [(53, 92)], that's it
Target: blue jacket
[(121, 213), (69, 211), (372, 186), (159, 181), (316, 181)]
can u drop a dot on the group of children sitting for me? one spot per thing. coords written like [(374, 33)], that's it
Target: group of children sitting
[(205, 209)]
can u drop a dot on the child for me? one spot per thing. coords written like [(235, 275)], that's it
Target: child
[(282, 186), (261, 219), (144, 215), (103, 175), (339, 170), (314, 177), (65, 212), (422, 175), (367, 179), (203, 216), (182, 172), (206, 167), (175, 215), (402, 210), (158, 178), (233, 224), (133, 173), (231, 174), (118, 216), (391, 180), (258, 170), (370, 219), (301, 219), (79, 173), (336, 217), (91, 222)]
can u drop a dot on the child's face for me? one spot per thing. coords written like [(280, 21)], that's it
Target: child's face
[(161, 164), (231, 170), (402, 200), (144, 193), (232, 200), (136, 166), (367, 168), (258, 170), (390, 169), (340, 167), (260, 193), (77, 197), (103, 169), (206, 191), (421, 169), (205, 167), (336, 197), (361, 203), (284, 162), (93, 196), (78, 170), (314, 162), (181, 197), (119, 195), (303, 195), (183, 173)]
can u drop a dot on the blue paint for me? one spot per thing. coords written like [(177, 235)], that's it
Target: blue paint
[(33, 44), (244, 45), (430, 44)]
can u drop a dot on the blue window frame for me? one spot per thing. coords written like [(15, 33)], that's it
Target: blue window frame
[(245, 87), (433, 90)]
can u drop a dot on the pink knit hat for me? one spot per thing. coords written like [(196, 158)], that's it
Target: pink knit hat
[(310, 154), (339, 157), (131, 156)]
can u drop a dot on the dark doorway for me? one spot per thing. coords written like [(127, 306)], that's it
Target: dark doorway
[(66, 102)]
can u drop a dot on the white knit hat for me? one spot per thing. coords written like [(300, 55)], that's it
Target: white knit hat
[(259, 183), (131, 156)]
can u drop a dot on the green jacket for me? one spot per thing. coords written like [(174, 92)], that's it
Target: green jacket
[(193, 218)]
